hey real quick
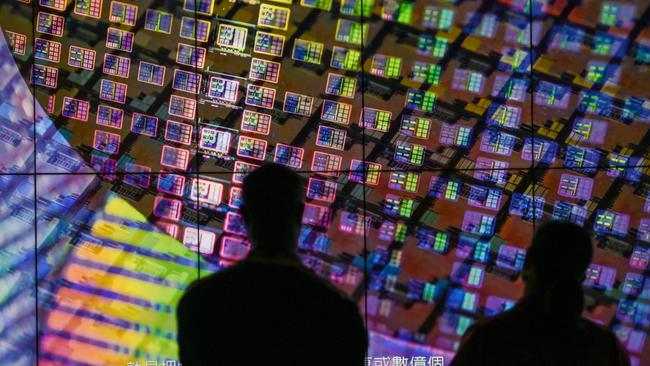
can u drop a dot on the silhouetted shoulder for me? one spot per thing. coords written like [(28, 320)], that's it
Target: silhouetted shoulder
[(519, 337)]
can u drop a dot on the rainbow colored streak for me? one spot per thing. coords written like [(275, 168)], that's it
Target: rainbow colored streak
[(117, 293)]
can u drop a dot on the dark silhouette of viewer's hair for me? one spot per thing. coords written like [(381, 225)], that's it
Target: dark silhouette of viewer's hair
[(272, 204), (558, 258)]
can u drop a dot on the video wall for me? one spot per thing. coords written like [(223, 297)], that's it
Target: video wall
[(432, 136)]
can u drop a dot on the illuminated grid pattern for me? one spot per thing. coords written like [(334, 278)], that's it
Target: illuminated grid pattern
[(346, 59), (398, 206), (498, 142), (195, 29), (158, 21), (423, 72), (178, 132), (106, 142), (360, 168), (45, 76), (354, 7), (420, 100), (438, 18), (397, 11), (409, 153), (275, 17), (456, 123), (455, 135), (234, 224), (144, 124), (269, 43), (307, 51), (75, 109), (225, 89), (232, 37), (117, 65), (50, 24), (610, 222), (256, 122), (351, 32), (241, 169), (151, 74), (112, 91), (317, 4), (327, 164), (139, 175), (415, 126), (331, 137), (204, 7), (264, 70), (182, 107), (552, 95), (260, 96), (186, 81), (215, 140), (375, 119), (484, 25), (170, 183), (468, 80), (336, 112), (298, 103), (123, 13), (569, 212), (574, 186), (119, 40), (444, 188), (543, 151), (17, 42), (190, 56), (288, 155), (525, 206), (404, 181), (109, 117), (491, 170), (340, 85), (54, 4), (432, 46), (47, 50), (321, 190), (589, 130), (81, 57), (582, 159), (174, 157), (167, 208), (386, 66), (250, 147), (88, 8), (510, 88), (500, 115)]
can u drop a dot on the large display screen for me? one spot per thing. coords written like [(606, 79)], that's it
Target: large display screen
[(432, 136)]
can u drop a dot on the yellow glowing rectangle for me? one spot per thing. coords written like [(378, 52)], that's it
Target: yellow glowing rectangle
[(81, 352), (115, 308), (138, 263), (106, 332), (276, 17), (149, 291), (158, 242)]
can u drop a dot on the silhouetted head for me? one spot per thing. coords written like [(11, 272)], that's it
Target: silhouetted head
[(555, 267), (272, 206)]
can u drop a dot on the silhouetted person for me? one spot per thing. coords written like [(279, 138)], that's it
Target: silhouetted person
[(546, 327), (269, 309)]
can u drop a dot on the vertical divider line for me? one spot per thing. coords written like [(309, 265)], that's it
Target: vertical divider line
[(197, 205), (35, 176), (532, 112), (364, 184)]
